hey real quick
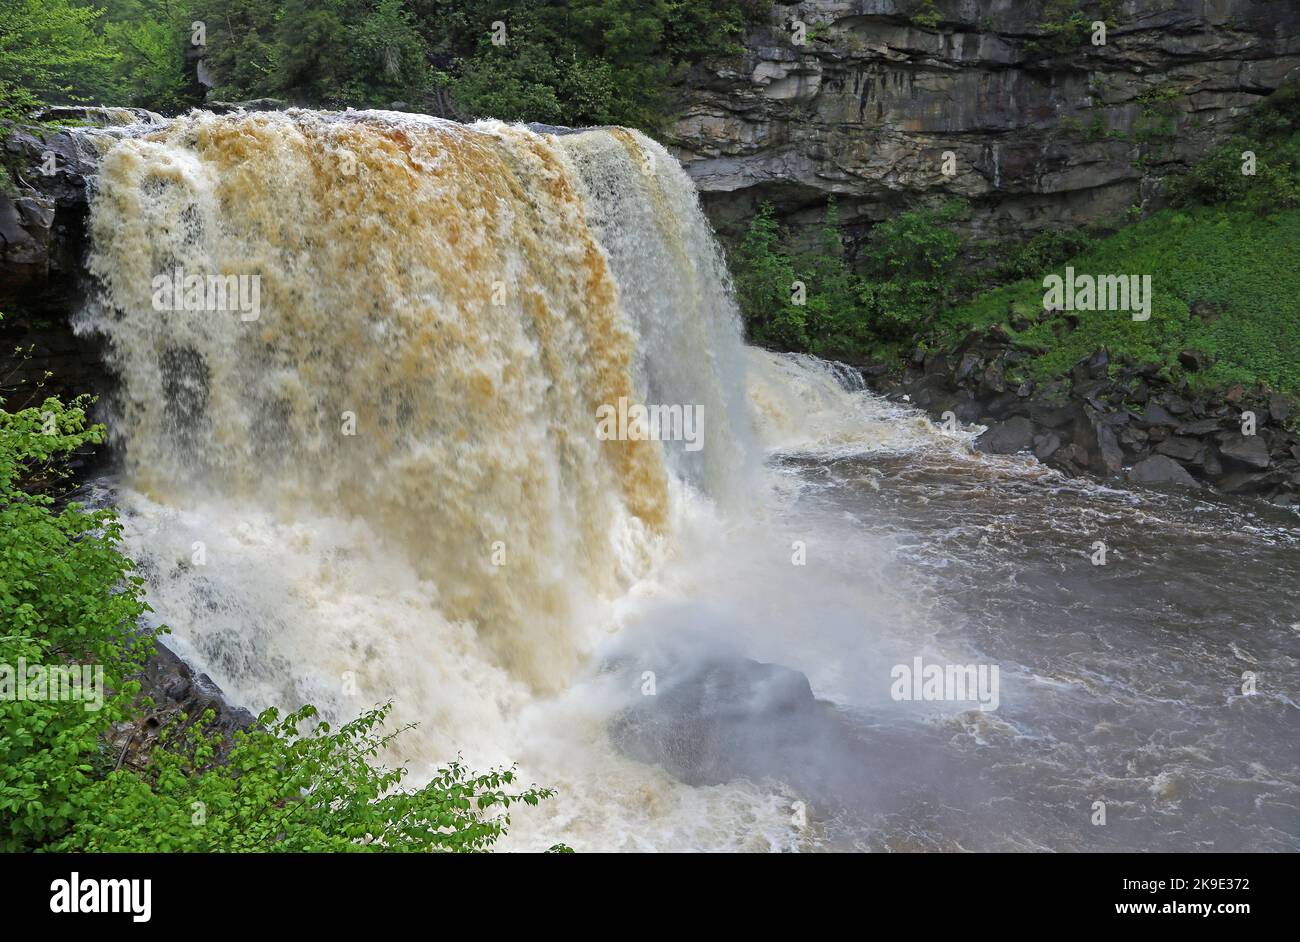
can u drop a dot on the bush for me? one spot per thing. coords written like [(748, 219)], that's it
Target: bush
[(66, 596), (909, 271), (1270, 133), (280, 790)]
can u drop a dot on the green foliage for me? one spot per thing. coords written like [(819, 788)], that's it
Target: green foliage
[(1272, 134), (925, 14), (908, 271), (69, 596), (332, 53), (1241, 268), (66, 596), (764, 276), (48, 48), (285, 791), (581, 62), (1040, 254), (1065, 27)]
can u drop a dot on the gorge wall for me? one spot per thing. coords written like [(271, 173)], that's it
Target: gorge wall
[(865, 108)]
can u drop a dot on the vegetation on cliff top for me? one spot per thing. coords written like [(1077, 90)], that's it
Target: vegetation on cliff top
[(580, 62)]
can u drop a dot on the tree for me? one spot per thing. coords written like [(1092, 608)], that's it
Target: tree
[(48, 50)]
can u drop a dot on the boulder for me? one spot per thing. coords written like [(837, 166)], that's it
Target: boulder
[(1006, 438), (1161, 469), (1248, 450)]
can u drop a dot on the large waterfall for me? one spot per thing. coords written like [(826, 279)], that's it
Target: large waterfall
[(363, 364), (440, 312), (375, 473)]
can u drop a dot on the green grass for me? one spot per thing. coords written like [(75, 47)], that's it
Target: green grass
[(1246, 265)]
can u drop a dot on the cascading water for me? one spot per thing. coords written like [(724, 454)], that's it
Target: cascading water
[(440, 288), (383, 480), (389, 473)]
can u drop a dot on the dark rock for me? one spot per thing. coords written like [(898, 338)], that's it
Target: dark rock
[(1161, 469), (1134, 438), (1052, 416), (171, 694), (1280, 408), (993, 379), (1005, 405), (1098, 440), (1046, 445), (1182, 449), (969, 363), (1249, 450), (935, 363), (1199, 427), (1007, 438), (1245, 482), (1192, 360), (1098, 365), (723, 718), (1156, 414)]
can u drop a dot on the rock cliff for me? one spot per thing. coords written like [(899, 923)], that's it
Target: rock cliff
[(1045, 128)]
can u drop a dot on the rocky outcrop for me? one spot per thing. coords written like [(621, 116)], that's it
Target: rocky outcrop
[(1108, 419), (172, 698), (1042, 134), (43, 210)]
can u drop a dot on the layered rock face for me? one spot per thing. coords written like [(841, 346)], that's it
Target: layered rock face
[(42, 247), (1043, 131)]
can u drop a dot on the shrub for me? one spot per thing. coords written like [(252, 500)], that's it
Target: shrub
[(282, 790)]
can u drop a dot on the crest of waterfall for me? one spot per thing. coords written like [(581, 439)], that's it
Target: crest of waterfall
[(441, 311)]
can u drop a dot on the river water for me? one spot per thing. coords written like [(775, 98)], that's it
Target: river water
[(386, 485)]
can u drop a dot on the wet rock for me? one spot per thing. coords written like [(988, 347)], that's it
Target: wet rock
[(993, 379), (1248, 450), (1046, 445), (1200, 427), (1156, 414), (970, 362), (1181, 449), (1006, 438), (26, 229), (1097, 438), (1244, 482), (171, 694), (1161, 469)]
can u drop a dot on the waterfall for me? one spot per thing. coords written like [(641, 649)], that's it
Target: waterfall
[(361, 358), (440, 312)]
